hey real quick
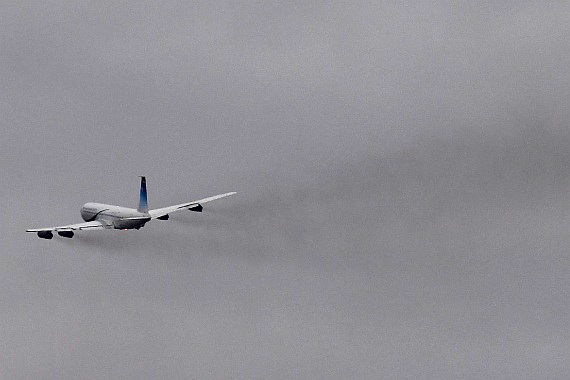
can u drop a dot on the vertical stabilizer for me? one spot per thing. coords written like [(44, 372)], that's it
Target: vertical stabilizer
[(143, 203)]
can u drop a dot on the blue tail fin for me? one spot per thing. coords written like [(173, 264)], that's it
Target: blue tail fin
[(143, 203)]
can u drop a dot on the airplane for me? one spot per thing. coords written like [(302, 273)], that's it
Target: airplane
[(99, 216)]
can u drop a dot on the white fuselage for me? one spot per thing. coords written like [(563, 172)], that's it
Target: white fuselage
[(119, 217)]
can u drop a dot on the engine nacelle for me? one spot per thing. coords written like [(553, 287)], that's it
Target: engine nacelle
[(196, 208), (66, 234), (45, 234)]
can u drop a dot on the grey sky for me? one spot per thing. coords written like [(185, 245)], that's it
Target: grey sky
[(402, 176)]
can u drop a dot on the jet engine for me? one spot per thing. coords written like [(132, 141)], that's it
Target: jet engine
[(45, 234), (197, 208)]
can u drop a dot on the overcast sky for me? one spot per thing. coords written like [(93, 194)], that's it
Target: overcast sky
[(403, 179)]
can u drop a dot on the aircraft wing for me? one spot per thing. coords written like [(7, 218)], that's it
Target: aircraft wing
[(94, 225), (197, 205)]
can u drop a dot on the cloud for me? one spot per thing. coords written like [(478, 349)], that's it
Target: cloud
[(401, 176)]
